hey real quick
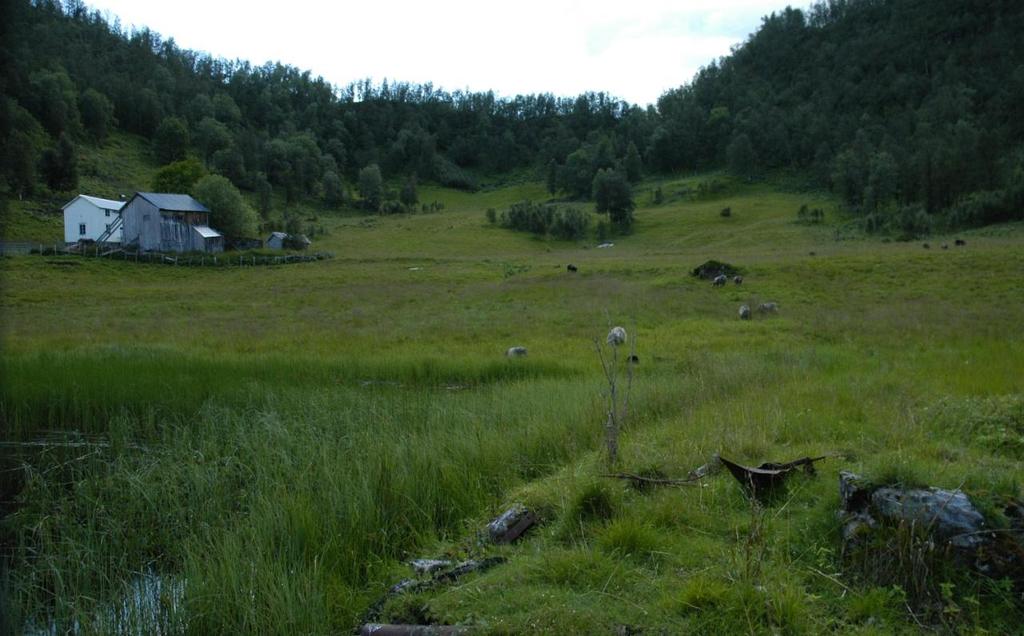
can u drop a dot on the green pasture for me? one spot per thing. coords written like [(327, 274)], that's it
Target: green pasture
[(279, 440)]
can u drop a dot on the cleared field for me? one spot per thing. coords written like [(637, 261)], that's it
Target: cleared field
[(279, 439)]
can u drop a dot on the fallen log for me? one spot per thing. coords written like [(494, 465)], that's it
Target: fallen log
[(511, 524), (640, 480), (443, 577), (694, 476), (380, 629)]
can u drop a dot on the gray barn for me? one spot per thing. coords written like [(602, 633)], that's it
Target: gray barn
[(169, 223)]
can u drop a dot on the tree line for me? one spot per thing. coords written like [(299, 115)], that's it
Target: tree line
[(911, 112)]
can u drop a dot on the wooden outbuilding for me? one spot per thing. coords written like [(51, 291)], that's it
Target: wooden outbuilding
[(165, 222)]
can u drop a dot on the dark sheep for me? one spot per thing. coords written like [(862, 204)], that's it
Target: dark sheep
[(959, 242), (572, 268), (811, 254), (738, 280), (633, 359), (926, 246)]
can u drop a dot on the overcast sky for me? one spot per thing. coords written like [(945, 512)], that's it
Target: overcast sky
[(633, 49)]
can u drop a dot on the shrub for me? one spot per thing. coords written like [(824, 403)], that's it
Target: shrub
[(450, 175), (543, 219), (985, 207), (492, 215), (912, 221), (570, 224), (808, 216)]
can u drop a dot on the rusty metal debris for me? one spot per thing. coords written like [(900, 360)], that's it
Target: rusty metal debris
[(762, 481)]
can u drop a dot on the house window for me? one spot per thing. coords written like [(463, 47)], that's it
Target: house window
[(108, 227), (81, 229), (106, 212)]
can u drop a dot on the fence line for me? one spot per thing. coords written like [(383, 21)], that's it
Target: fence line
[(139, 256), (12, 248)]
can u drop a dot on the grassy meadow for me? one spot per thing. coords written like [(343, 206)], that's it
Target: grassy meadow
[(275, 442)]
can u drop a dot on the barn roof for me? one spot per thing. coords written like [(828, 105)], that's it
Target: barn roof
[(173, 202), (103, 204), (277, 235)]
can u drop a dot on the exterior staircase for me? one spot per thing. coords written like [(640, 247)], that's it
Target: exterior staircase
[(113, 227)]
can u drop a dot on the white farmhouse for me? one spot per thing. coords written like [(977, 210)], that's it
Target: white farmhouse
[(93, 219)]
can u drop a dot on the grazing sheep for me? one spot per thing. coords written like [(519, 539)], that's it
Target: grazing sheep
[(959, 242), (744, 312), (738, 280), (945, 246), (768, 308), (515, 352), (633, 359), (811, 254), (926, 246), (571, 268), (617, 336), (719, 281)]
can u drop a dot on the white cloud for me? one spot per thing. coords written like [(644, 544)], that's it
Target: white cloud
[(633, 50)]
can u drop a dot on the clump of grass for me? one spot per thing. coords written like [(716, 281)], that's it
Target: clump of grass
[(880, 606), (714, 605), (995, 423), (594, 503), (580, 568), (630, 537)]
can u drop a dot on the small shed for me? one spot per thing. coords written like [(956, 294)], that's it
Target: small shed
[(282, 240), (88, 218), (276, 240), (207, 239)]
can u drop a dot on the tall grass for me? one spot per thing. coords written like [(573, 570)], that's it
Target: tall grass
[(296, 493), (81, 390)]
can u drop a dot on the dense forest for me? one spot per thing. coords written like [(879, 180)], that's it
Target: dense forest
[(911, 110)]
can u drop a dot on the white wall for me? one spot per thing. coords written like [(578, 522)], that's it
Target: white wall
[(95, 219)]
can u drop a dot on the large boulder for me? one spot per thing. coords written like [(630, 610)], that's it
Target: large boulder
[(950, 521)]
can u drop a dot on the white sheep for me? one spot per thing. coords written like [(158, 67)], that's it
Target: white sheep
[(744, 312), (515, 352), (617, 336)]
